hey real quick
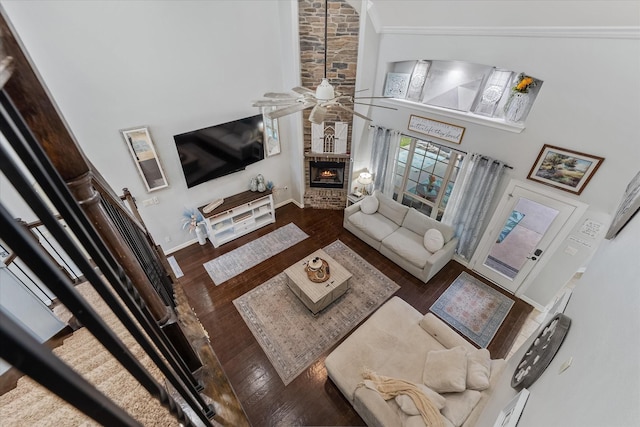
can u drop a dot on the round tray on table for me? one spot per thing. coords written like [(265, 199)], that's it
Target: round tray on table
[(319, 275)]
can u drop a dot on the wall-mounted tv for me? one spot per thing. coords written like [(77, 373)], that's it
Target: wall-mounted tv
[(220, 150)]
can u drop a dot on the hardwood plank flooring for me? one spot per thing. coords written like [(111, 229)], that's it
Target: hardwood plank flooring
[(312, 398)]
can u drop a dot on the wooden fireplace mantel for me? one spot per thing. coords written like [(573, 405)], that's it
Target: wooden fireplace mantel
[(317, 156)]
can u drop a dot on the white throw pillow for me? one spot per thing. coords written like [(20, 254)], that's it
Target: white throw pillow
[(478, 369), (369, 205), (409, 407), (460, 405), (445, 371), (433, 240)]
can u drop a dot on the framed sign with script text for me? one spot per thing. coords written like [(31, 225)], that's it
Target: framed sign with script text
[(437, 129)]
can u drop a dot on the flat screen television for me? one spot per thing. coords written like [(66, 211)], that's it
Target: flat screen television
[(219, 150)]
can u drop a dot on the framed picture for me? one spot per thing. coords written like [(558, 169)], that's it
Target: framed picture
[(396, 85), (435, 128), (145, 158), (271, 133), (510, 414), (564, 169), (628, 207)]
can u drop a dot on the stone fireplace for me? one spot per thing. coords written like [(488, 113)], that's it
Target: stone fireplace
[(328, 192), (326, 174)]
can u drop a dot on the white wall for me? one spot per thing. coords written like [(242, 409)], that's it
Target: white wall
[(588, 103), (602, 385), (172, 66)]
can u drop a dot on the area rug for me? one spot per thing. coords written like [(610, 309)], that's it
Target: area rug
[(253, 253), (290, 335), (473, 308)]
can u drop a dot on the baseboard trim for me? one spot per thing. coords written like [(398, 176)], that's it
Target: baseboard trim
[(531, 302)]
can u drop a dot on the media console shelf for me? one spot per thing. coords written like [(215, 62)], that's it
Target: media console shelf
[(238, 215)]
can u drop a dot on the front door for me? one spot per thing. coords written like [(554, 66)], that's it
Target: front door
[(526, 223)]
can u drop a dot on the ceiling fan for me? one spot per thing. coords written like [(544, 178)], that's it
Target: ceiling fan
[(321, 99)]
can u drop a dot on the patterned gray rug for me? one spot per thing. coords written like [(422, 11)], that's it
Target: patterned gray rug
[(253, 253), (473, 308), (290, 335)]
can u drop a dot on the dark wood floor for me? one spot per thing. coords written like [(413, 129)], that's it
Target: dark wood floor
[(311, 399)]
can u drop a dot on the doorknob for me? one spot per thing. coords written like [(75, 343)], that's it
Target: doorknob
[(536, 254)]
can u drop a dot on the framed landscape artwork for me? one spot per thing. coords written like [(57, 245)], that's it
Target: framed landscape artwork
[(564, 169)]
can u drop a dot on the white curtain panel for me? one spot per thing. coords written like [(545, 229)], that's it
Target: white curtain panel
[(384, 148), (470, 200)]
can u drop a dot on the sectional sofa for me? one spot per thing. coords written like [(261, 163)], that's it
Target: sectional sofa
[(398, 342)]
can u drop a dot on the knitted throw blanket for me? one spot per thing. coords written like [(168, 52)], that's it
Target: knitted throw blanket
[(391, 387)]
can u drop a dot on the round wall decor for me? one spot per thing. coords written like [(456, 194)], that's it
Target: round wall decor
[(541, 352)]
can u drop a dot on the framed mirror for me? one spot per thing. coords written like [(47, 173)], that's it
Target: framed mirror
[(144, 155)]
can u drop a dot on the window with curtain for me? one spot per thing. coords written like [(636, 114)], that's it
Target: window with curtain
[(425, 173)]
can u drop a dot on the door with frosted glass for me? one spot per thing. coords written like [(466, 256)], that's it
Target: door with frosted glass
[(518, 237)]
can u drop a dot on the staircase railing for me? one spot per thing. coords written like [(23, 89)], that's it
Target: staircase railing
[(104, 231)]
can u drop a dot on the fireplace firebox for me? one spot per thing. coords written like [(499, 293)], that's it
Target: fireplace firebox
[(326, 174)]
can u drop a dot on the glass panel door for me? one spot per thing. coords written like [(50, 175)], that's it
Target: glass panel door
[(519, 237), (525, 224)]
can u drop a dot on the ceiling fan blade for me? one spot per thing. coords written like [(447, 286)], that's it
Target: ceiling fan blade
[(355, 113), (374, 105), (303, 90), (281, 112), (318, 114), (273, 102), (374, 97), (279, 95)]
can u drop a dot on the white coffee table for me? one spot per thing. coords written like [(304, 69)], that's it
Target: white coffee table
[(317, 296)]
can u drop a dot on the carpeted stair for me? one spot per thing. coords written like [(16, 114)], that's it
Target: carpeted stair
[(29, 404)]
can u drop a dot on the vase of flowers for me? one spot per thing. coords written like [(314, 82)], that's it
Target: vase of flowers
[(517, 105), (193, 221)]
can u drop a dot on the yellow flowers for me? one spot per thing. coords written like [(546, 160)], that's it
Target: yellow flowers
[(524, 83)]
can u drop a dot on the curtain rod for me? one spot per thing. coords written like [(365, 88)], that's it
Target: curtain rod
[(455, 149), (487, 158)]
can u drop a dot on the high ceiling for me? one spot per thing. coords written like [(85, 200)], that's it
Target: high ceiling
[(503, 13)]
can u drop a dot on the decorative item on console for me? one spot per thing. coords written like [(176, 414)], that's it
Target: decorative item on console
[(261, 184), (193, 221), (258, 183)]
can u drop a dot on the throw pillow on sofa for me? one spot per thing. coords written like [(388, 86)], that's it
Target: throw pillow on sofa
[(433, 240), (446, 370), (408, 406), (478, 369), (369, 205), (460, 405)]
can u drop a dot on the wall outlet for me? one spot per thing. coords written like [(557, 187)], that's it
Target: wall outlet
[(155, 200), (167, 239)]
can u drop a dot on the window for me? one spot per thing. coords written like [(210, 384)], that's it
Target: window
[(425, 175)]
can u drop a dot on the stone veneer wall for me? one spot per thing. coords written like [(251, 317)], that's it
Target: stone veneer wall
[(342, 56)]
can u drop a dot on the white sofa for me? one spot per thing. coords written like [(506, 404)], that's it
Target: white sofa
[(398, 232), (396, 342)]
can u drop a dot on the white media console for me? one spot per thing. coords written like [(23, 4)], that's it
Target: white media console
[(238, 215)]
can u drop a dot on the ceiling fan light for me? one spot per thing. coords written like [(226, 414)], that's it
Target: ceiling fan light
[(324, 91)]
